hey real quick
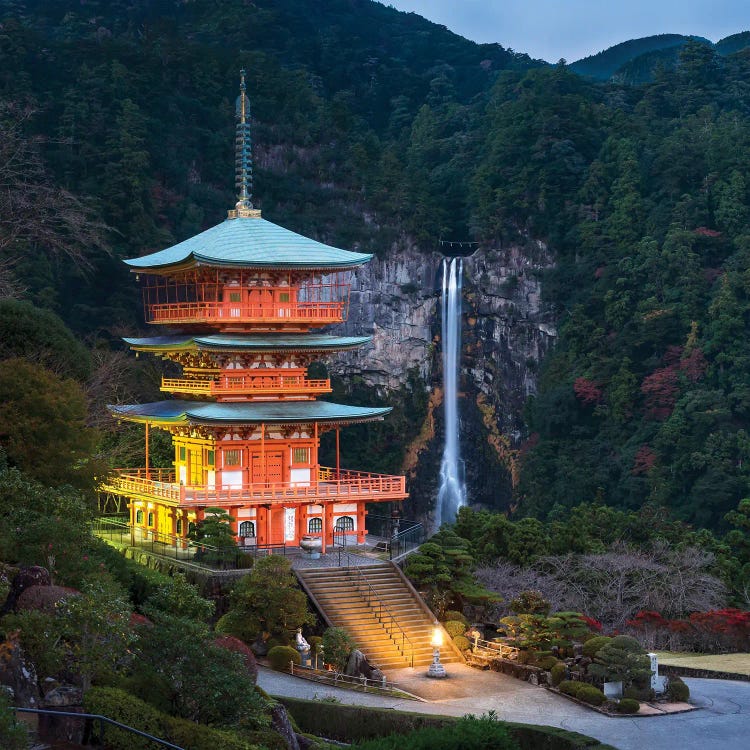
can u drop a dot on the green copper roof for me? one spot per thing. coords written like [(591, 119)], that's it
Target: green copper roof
[(206, 413), (250, 243), (250, 342)]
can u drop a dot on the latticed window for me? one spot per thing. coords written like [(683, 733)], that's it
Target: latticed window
[(182, 453), (232, 458), (283, 296), (345, 523), (179, 526), (315, 525), (211, 458), (235, 297), (247, 528), (139, 516), (300, 455), (150, 519)]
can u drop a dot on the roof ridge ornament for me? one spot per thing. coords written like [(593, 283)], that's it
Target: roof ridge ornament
[(243, 158)]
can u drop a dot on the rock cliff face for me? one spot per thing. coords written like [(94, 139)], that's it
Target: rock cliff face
[(506, 332)]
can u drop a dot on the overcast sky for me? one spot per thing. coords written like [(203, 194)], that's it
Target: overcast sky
[(551, 29)]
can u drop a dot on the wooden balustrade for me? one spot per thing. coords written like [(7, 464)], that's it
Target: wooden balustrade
[(340, 486), (250, 384), (307, 313)]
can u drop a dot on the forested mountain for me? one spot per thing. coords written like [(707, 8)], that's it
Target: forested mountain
[(376, 129), (637, 60)]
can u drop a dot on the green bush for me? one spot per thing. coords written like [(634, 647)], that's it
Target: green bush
[(129, 710), (337, 645), (570, 687), (677, 690), (547, 662), (125, 708), (232, 623), (591, 694), (557, 673), (315, 642), (628, 706), (462, 643), (454, 614), (13, 734), (454, 628), (592, 645), (280, 656)]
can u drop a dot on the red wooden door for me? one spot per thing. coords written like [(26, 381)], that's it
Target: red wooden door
[(277, 526)]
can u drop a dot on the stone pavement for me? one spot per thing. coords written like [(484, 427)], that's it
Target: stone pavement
[(722, 724)]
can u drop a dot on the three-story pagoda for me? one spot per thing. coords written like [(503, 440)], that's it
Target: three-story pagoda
[(241, 306)]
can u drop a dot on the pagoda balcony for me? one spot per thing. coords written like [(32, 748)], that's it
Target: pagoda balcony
[(256, 385), (330, 486), (300, 314)]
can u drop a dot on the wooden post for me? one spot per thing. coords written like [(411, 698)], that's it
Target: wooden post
[(263, 452), (148, 473), (338, 454)]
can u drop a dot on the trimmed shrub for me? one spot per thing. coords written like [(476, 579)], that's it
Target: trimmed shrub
[(280, 656), (461, 642), (454, 628), (628, 706), (570, 687), (546, 663), (591, 694), (194, 736), (454, 614), (315, 642), (235, 645), (233, 624), (677, 690), (592, 645), (557, 673)]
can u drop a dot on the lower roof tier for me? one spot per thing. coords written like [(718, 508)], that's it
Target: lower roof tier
[(176, 412), (246, 343)]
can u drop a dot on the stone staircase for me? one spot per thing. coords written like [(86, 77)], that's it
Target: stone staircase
[(381, 611)]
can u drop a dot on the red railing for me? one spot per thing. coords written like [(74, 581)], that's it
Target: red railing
[(330, 485), (256, 384), (308, 313)]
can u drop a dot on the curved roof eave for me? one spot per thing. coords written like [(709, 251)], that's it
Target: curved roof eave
[(258, 343), (212, 413)]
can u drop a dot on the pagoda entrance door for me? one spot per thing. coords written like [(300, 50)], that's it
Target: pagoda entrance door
[(277, 526)]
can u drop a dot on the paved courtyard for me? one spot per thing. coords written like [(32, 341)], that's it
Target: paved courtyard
[(723, 723)]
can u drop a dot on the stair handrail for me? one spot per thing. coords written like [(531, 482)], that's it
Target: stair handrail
[(404, 638)]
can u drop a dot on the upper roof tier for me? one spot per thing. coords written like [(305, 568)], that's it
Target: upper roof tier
[(249, 242)]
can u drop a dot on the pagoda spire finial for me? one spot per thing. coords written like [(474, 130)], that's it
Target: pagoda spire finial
[(243, 157)]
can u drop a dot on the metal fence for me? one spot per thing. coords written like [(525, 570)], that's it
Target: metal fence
[(400, 536), (118, 530)]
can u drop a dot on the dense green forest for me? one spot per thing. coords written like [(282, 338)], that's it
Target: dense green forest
[(374, 127)]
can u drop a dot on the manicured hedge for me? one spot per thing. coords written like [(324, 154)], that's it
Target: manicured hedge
[(127, 709), (353, 723), (454, 627), (557, 673), (591, 694), (677, 690), (280, 656), (628, 706), (592, 645)]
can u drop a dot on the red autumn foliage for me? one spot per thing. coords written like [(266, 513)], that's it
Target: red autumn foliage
[(660, 391), (587, 392), (644, 461), (694, 366), (706, 232), (722, 629), (231, 643), (137, 620), (593, 624)]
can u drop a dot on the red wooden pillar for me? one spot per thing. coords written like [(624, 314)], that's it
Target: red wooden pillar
[(262, 520), (361, 527), (328, 523)]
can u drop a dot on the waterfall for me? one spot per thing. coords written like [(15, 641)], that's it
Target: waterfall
[(452, 492)]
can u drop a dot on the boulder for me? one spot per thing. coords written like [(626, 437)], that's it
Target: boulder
[(63, 696), (19, 674), (358, 666), (281, 724), (43, 598)]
